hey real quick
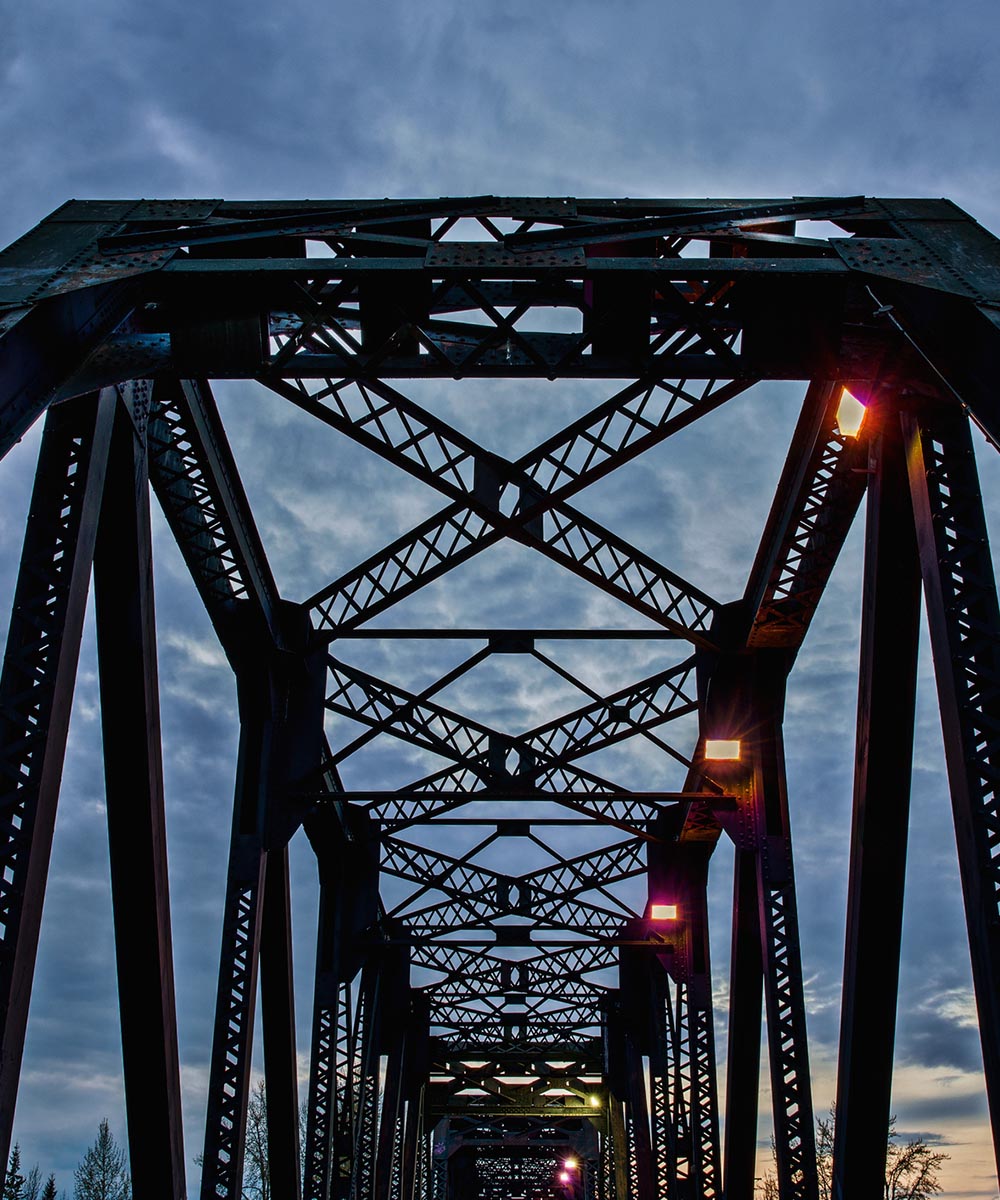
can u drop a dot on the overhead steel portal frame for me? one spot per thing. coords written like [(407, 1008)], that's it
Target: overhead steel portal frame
[(480, 1032)]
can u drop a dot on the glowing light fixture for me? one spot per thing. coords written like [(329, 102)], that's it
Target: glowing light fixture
[(722, 749), (595, 1102), (663, 912), (564, 1176), (571, 1164), (850, 414)]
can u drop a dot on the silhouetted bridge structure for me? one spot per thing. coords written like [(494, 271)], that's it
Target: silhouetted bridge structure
[(479, 1032)]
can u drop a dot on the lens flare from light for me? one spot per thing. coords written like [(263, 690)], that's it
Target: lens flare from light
[(850, 414), (571, 1164)]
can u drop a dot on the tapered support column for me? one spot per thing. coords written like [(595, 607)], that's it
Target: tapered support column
[(884, 753), (347, 856), (367, 1037), (415, 1075), (745, 701), (280, 703), (746, 984), (278, 1020), (640, 1157), (964, 617), (704, 1114), (123, 585), (662, 1050), (36, 694), (390, 1132), (229, 1079), (616, 1068), (678, 874), (794, 1134), (328, 1059), (619, 1149)]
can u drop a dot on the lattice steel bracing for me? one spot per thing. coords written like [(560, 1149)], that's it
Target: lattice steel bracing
[(512, 986)]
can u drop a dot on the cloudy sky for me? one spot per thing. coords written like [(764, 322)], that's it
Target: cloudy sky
[(673, 98)]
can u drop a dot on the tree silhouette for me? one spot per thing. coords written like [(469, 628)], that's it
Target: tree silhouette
[(103, 1173), (13, 1184), (49, 1191), (911, 1170)]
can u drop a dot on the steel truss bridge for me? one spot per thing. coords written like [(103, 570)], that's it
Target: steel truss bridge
[(473, 1028)]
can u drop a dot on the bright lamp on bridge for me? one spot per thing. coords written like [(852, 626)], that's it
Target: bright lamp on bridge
[(850, 414), (722, 749)]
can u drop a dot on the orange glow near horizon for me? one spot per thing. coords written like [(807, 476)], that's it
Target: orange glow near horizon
[(850, 414), (722, 749)]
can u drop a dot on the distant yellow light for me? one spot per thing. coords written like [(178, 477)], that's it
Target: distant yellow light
[(850, 414), (571, 1164), (722, 749), (663, 912), (595, 1102)]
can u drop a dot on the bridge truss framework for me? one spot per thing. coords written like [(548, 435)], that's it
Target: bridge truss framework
[(470, 1037)]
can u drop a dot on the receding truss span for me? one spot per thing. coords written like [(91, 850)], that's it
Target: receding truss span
[(513, 991)]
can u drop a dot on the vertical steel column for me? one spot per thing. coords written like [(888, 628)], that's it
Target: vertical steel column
[(280, 705), (682, 1091), (389, 1143), (392, 1035), (619, 1149), (416, 1072), (704, 1111), (326, 1097), (661, 1055), (794, 1135), (36, 694), (347, 858), (884, 754), (637, 1121), (367, 1107), (133, 769), (964, 618), (278, 1025), (746, 985), (616, 1067), (229, 1079), (678, 871)]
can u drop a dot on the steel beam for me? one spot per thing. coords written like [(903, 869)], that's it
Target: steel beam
[(783, 984), (36, 694), (821, 486), (884, 752), (196, 481), (278, 1026), (746, 700), (964, 617), (126, 644), (277, 737), (746, 982)]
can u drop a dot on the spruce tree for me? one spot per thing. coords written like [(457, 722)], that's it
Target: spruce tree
[(13, 1184), (103, 1174), (49, 1191)]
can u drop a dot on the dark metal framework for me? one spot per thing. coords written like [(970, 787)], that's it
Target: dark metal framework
[(474, 1028)]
